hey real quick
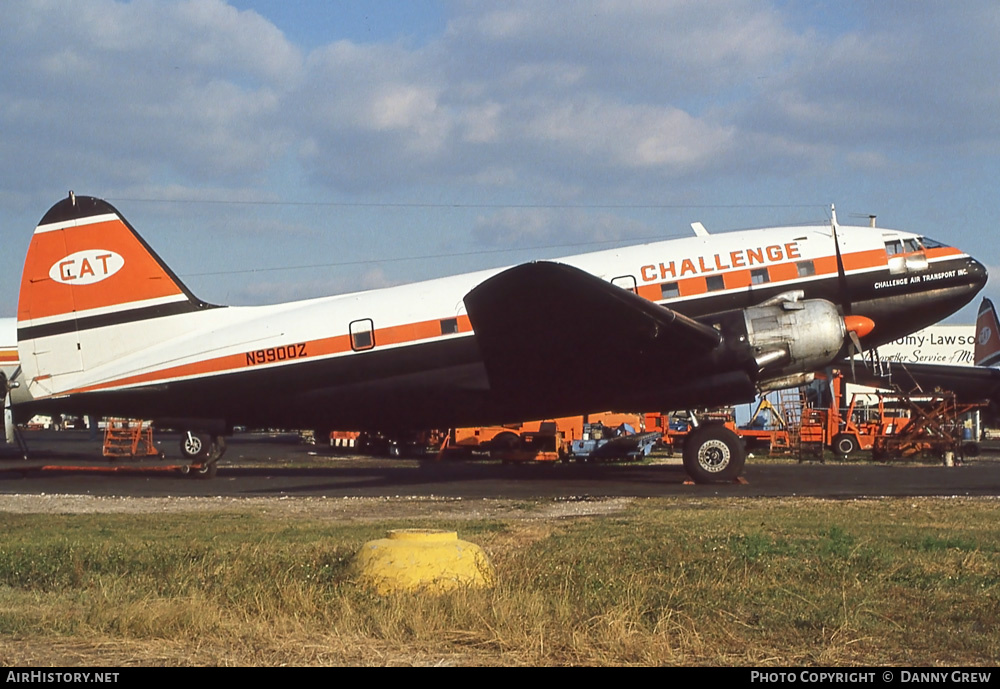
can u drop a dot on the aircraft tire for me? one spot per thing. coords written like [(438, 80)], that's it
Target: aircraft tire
[(202, 446), (844, 444), (713, 454), (196, 445)]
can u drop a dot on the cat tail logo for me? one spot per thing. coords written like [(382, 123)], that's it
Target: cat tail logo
[(86, 270), (987, 335)]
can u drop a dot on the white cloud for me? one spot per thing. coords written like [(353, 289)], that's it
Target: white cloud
[(289, 286), (699, 101), (902, 82), (598, 89), (549, 227), (555, 94), (124, 92), (629, 135)]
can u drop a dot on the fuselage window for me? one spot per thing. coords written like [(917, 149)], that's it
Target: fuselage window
[(806, 268), (893, 247), (362, 334), (715, 283), (669, 290), (758, 276), (449, 326)]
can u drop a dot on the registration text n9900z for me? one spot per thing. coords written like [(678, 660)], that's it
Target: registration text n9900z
[(271, 354)]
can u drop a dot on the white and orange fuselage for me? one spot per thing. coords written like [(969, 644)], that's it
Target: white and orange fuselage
[(105, 327)]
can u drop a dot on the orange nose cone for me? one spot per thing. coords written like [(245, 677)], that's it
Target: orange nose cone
[(859, 324)]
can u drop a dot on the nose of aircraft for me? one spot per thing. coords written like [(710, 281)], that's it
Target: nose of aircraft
[(977, 274)]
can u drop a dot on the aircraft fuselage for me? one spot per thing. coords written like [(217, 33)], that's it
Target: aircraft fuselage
[(408, 356)]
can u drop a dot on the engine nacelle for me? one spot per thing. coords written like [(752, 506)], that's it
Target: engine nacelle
[(794, 336)]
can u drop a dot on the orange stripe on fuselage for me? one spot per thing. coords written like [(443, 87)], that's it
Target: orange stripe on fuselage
[(141, 278), (412, 333), (409, 333), (862, 260), (825, 266)]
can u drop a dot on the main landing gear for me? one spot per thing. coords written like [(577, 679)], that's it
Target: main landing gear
[(204, 450), (713, 454)]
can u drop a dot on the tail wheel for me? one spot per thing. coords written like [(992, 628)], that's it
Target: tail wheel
[(713, 454), (196, 445), (205, 450), (202, 446)]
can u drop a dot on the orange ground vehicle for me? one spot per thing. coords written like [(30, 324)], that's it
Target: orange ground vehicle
[(847, 429), (765, 429), (810, 421), (572, 437), (548, 440), (897, 425)]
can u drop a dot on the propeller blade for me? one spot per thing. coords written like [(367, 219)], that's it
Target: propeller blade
[(8, 420), (855, 348), (845, 297), (856, 342), (856, 327)]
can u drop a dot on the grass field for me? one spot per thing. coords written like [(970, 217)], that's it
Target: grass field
[(664, 582)]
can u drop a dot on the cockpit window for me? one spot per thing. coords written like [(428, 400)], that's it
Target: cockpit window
[(931, 243), (894, 247), (906, 255), (910, 245)]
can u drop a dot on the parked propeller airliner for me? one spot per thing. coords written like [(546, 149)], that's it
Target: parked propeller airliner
[(106, 328)]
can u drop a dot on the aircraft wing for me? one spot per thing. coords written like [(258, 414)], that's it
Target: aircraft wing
[(969, 383), (549, 324)]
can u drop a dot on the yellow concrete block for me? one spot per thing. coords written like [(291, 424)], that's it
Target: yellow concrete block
[(427, 560)]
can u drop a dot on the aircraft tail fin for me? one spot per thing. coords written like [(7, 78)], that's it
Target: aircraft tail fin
[(987, 351), (86, 271)]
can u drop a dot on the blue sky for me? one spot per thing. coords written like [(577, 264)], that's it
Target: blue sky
[(279, 150)]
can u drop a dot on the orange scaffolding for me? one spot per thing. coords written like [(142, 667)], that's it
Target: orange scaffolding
[(129, 438)]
